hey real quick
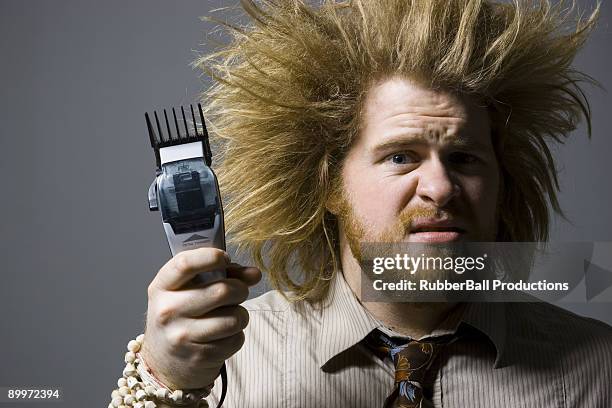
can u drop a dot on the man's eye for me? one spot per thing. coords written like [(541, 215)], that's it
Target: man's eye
[(463, 158), (401, 158)]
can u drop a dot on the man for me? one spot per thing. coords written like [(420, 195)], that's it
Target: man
[(391, 121)]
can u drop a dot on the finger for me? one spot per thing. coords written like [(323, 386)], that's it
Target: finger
[(247, 274), (200, 300), (219, 324), (221, 350), (184, 266)]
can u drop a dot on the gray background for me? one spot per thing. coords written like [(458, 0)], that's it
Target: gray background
[(78, 245)]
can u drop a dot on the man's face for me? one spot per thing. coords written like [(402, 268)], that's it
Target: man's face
[(423, 169)]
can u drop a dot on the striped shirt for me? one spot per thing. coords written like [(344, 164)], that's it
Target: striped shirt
[(506, 355)]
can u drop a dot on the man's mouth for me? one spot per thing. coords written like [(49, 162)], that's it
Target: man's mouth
[(435, 231)]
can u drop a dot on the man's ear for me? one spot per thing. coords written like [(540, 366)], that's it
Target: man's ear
[(334, 200), (331, 207)]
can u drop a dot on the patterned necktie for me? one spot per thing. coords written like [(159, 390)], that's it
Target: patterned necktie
[(411, 360)]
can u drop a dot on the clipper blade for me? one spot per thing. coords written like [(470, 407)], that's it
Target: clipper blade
[(198, 132)]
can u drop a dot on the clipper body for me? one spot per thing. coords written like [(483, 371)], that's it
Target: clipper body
[(185, 189)]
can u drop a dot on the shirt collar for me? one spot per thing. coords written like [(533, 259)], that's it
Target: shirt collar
[(489, 318), (345, 322)]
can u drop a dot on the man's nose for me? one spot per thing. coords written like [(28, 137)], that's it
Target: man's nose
[(435, 185)]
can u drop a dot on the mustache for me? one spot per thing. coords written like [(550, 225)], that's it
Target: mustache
[(408, 215), (406, 219)]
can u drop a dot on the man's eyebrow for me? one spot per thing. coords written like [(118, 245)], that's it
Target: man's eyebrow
[(400, 142), (404, 141)]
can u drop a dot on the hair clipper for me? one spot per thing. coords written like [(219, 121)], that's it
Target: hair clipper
[(185, 188)]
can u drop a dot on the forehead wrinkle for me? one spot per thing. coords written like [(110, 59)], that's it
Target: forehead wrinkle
[(401, 138), (400, 112), (423, 128)]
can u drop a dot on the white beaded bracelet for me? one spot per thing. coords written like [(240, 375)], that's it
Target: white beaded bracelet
[(138, 386)]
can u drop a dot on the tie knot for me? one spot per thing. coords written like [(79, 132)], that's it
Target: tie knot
[(412, 360)]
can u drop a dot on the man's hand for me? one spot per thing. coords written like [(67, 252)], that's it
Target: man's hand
[(193, 328)]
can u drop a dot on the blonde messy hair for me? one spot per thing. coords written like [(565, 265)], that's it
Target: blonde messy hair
[(289, 89)]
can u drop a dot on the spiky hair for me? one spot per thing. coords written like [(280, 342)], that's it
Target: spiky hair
[(288, 94)]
